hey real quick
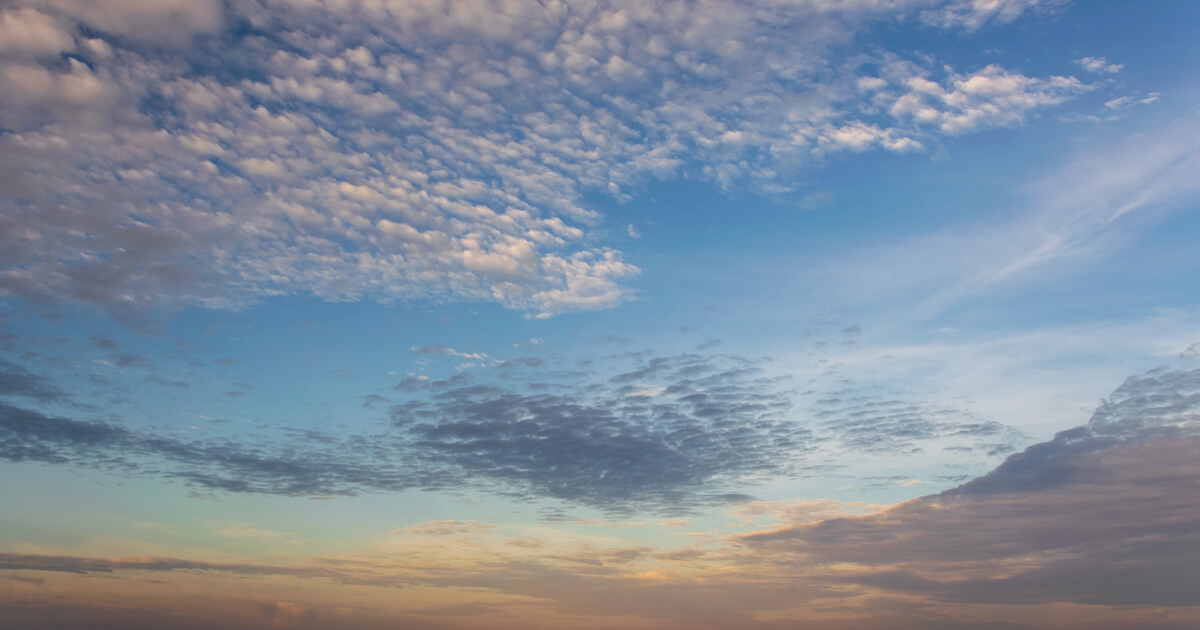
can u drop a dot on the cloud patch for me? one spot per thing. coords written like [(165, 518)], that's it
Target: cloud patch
[(19, 382), (215, 154), (1099, 65), (868, 422), (1105, 514), (671, 434)]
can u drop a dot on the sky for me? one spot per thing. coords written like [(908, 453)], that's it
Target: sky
[(596, 314)]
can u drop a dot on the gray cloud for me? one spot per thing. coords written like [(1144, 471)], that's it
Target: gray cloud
[(78, 564), (27, 435), (668, 433), (633, 431), (17, 381), (674, 433), (671, 432), (1107, 513), (869, 421)]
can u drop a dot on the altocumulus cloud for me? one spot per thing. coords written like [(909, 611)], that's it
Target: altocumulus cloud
[(676, 432), (217, 153), (659, 433)]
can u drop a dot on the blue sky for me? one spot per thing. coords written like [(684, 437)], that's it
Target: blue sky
[(538, 308)]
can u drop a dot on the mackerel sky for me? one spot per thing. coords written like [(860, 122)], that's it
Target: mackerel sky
[(682, 314)]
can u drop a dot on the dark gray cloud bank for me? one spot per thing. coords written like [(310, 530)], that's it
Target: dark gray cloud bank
[(1106, 513), (673, 432), (640, 432), (20, 382)]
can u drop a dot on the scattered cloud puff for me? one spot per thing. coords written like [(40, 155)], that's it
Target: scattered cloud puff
[(1121, 102), (972, 14), (1103, 514), (218, 153), (446, 351), (1099, 65), (958, 103)]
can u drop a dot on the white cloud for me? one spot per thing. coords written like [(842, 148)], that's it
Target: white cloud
[(446, 351), (1099, 65), (993, 96), (158, 21), (28, 32), (973, 14), (1123, 102), (397, 151)]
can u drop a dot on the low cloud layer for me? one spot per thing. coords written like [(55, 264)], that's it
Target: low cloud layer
[(674, 433), (665, 434), (1107, 514)]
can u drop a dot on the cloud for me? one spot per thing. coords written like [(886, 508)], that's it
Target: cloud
[(26, 580), (155, 21), (444, 528), (27, 435), (1105, 514), (17, 381), (215, 154), (1085, 210), (1122, 102), (286, 614), (867, 422), (1103, 521), (446, 352), (166, 382), (667, 435), (1099, 65), (76, 564), (370, 400), (993, 96), (26, 31), (972, 14)]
